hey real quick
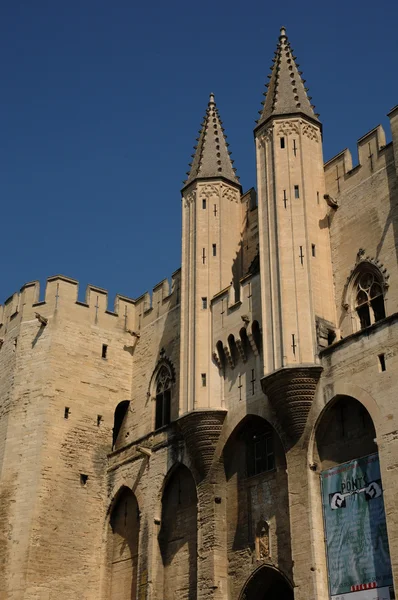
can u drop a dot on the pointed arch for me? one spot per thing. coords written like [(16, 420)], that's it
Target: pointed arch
[(364, 294), (257, 511), (161, 387), (344, 431), (178, 535), (119, 418), (124, 524), (269, 583)]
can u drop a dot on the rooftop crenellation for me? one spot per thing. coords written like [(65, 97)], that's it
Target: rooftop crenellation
[(62, 291), (373, 153)]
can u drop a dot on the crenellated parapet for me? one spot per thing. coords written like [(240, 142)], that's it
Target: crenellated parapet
[(373, 155), (61, 293)]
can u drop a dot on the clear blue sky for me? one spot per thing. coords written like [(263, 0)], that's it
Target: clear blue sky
[(101, 102)]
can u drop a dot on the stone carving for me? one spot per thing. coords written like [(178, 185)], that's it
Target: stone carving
[(230, 194), (265, 136), (288, 128), (291, 391), (209, 190), (262, 540), (201, 430), (310, 131), (189, 198)]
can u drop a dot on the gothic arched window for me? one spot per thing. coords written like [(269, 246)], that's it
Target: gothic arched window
[(163, 397), (368, 291)]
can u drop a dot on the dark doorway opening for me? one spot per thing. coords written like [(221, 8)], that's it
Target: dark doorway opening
[(267, 584)]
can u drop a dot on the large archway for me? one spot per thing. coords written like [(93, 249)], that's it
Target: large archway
[(178, 537), (352, 498), (267, 583), (257, 511), (344, 432), (125, 526)]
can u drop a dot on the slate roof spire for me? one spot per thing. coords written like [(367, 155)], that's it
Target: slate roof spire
[(212, 157), (286, 93)]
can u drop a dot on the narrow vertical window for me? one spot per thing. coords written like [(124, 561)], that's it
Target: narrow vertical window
[(214, 249), (204, 302), (163, 398), (282, 142), (215, 210), (382, 362), (317, 197), (296, 191), (66, 412), (204, 383), (204, 203), (104, 350), (204, 256), (313, 249)]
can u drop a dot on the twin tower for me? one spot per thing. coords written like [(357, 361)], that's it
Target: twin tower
[(294, 245)]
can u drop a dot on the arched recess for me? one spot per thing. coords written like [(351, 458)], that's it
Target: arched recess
[(267, 583), (123, 542), (178, 537), (348, 507), (344, 432), (119, 419), (257, 498)]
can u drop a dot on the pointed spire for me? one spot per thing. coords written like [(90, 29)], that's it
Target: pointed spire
[(286, 91), (212, 158)]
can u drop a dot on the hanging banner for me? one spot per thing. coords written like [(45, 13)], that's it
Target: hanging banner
[(358, 557)]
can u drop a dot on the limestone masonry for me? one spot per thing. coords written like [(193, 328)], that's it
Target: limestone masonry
[(171, 447)]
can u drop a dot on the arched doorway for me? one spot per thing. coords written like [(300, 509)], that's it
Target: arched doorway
[(267, 583)]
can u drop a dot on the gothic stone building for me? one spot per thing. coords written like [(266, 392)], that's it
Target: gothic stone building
[(173, 448)]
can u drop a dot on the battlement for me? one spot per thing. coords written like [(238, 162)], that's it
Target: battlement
[(62, 292), (373, 155)]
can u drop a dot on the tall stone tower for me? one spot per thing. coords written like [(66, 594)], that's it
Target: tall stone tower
[(211, 234), (295, 261)]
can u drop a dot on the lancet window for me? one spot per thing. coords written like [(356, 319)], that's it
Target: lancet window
[(163, 397)]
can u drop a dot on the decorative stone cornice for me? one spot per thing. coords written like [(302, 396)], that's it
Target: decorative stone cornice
[(201, 430), (291, 391)]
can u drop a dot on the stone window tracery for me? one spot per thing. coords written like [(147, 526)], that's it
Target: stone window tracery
[(163, 397), (369, 298)]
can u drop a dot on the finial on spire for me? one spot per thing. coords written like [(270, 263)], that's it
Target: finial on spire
[(211, 99), (283, 31)]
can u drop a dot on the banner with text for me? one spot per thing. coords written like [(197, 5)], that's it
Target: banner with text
[(356, 534)]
